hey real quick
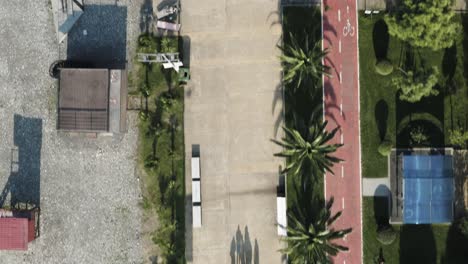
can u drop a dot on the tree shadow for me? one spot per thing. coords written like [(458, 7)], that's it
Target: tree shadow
[(24, 182), (146, 14), (381, 118), (455, 249), (380, 39), (449, 62), (381, 211), (241, 248), (417, 244)]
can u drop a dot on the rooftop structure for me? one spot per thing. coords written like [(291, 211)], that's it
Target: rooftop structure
[(92, 100), (422, 189), (17, 229)]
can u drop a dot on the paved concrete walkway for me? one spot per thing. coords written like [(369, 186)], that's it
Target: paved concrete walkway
[(233, 108), (375, 186)]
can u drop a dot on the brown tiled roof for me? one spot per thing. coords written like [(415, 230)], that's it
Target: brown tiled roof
[(83, 99)]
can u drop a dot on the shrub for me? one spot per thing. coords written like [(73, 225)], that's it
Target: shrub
[(458, 137), (386, 235), (418, 136), (384, 67), (385, 147), (463, 226)]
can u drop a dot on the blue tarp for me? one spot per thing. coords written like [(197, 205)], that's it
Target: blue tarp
[(428, 189)]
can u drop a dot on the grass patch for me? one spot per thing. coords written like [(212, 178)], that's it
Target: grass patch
[(161, 148), (384, 116), (442, 244)]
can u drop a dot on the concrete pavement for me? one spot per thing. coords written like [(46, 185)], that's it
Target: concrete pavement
[(233, 107)]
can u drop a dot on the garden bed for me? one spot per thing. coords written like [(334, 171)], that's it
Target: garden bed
[(385, 116), (161, 148)]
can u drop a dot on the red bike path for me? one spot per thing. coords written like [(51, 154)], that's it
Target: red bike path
[(341, 108)]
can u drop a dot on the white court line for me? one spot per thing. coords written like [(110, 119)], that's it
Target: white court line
[(339, 15), (341, 77), (339, 45), (342, 202), (342, 171)]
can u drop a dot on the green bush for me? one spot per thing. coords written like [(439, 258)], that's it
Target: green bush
[(385, 147), (458, 137), (463, 226), (386, 235), (384, 67)]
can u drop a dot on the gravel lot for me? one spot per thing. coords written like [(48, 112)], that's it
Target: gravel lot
[(86, 188)]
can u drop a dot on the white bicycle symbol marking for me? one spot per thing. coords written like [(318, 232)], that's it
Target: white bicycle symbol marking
[(348, 29)]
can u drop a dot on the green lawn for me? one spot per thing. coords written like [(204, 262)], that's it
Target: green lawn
[(441, 244), (161, 151), (384, 116)]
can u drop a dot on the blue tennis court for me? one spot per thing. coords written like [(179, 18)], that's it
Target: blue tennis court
[(428, 189)]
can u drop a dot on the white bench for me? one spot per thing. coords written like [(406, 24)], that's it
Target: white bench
[(196, 219), (281, 217), (167, 25), (196, 192), (195, 168)]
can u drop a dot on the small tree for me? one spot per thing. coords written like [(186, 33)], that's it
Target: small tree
[(416, 85), (384, 67), (418, 135), (386, 235), (385, 148), (463, 226), (424, 23), (458, 137)]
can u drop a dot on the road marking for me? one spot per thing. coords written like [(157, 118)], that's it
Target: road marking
[(339, 15), (344, 238), (344, 261), (341, 77), (342, 171), (342, 139), (341, 109), (342, 202), (347, 9), (339, 45)]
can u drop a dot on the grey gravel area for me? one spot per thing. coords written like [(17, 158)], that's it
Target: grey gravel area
[(86, 187)]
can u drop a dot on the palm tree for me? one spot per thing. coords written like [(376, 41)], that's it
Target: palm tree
[(310, 241), (312, 148), (302, 63)]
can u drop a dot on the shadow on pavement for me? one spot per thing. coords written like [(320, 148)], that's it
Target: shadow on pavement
[(23, 184), (100, 36)]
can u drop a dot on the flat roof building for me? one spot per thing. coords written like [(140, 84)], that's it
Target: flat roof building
[(92, 100), (422, 187)]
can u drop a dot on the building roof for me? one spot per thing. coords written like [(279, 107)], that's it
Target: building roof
[(13, 233), (83, 99), (428, 189)]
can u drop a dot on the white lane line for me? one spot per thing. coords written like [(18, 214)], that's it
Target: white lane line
[(344, 238), (342, 171), (341, 109), (342, 139), (344, 261), (339, 15), (339, 45), (342, 202), (341, 77), (347, 9)]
